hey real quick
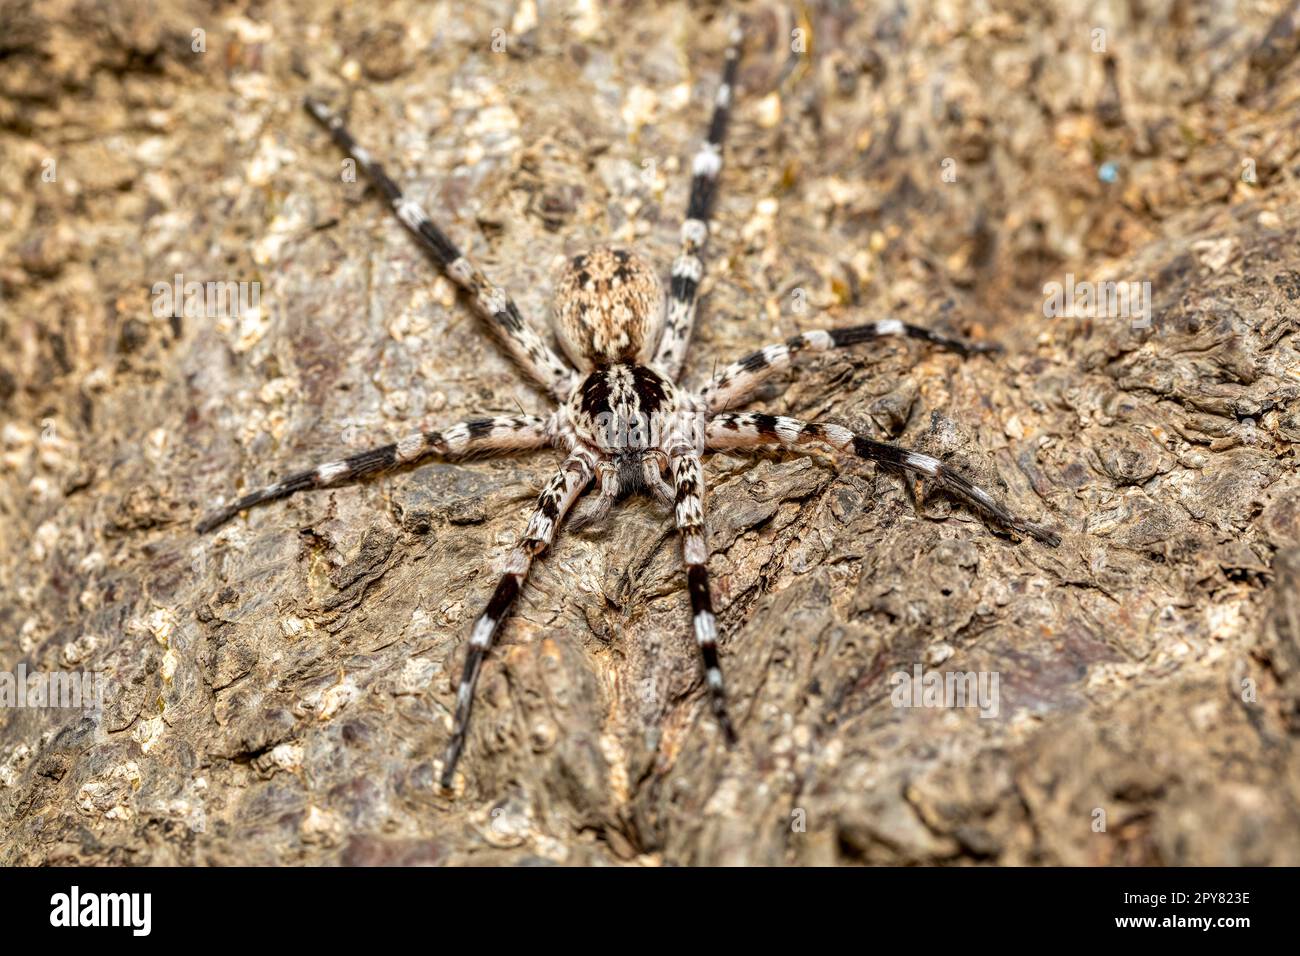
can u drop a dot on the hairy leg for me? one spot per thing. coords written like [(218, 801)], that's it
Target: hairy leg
[(733, 384), (493, 304), (503, 433), (751, 430), (688, 269), (554, 502), (688, 482)]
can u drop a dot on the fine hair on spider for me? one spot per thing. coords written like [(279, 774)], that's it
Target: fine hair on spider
[(622, 420)]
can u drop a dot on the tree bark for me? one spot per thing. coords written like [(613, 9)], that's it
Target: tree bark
[(279, 692)]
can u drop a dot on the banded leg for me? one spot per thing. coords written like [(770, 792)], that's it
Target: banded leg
[(504, 433), (735, 383), (493, 304), (688, 269), (688, 482), (750, 430), (554, 502)]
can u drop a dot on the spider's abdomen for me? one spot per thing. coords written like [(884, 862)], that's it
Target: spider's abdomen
[(608, 308)]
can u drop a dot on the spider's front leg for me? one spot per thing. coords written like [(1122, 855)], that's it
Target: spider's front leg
[(688, 482), (734, 384), (502, 433), (750, 430), (553, 504), (523, 343)]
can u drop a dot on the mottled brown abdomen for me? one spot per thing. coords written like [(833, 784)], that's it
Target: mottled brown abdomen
[(608, 308)]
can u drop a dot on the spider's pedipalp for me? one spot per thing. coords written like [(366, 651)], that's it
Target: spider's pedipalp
[(553, 504), (688, 482), (688, 267), (608, 308), (652, 466), (599, 507), (733, 430), (501, 433), (496, 307), (733, 384)]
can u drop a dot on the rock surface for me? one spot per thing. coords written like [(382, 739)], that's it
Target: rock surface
[(279, 692)]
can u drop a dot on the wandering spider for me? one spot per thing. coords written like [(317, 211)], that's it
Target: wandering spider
[(620, 417)]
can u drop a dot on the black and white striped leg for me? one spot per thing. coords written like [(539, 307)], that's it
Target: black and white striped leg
[(503, 433), (750, 430), (561, 491), (492, 303), (733, 384), (688, 485), (688, 268)]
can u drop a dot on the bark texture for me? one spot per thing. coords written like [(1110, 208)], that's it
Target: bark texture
[(279, 692)]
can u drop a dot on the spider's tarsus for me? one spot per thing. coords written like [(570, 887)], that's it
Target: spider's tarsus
[(215, 520), (1046, 535), (590, 515), (729, 732), (447, 779)]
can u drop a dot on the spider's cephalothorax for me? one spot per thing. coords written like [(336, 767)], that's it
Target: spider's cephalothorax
[(608, 308), (635, 420), (620, 417)]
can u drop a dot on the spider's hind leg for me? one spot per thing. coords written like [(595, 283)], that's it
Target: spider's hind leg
[(751, 430), (688, 479), (505, 433)]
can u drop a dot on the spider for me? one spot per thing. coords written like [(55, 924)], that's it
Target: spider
[(621, 418)]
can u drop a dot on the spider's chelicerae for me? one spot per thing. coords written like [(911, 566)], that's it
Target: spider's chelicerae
[(620, 417)]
